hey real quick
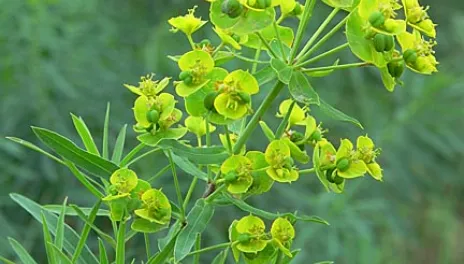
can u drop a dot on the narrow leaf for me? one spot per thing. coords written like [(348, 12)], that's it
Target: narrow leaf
[(6, 261), (190, 168), (81, 178), (59, 237), (267, 131), (163, 255), (69, 211), (103, 255), (28, 144), (102, 234), (86, 230), (197, 221), (85, 135), (105, 149), (48, 241), (119, 145), (21, 252), (265, 75), (301, 90), (60, 255), (66, 148), (336, 114), (71, 238), (200, 156), (221, 258)]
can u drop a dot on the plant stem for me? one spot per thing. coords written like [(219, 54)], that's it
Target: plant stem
[(218, 48), (323, 55), (258, 115), (281, 45), (159, 174), (307, 13), (147, 245), (215, 193), (229, 142), (208, 143), (265, 43), (193, 184), (337, 67), (323, 40), (196, 259), (307, 171), (121, 243), (131, 154), (318, 32), (143, 156), (284, 123), (218, 246), (180, 200), (192, 43), (254, 67)]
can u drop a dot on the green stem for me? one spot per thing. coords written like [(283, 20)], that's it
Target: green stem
[(255, 61), (215, 193), (318, 32), (281, 45), (192, 43), (193, 184), (131, 154), (229, 142), (218, 48), (180, 200), (265, 43), (337, 67), (323, 40), (147, 245), (206, 249), (307, 13), (284, 123), (196, 259), (254, 67), (307, 171), (323, 55), (142, 156), (121, 243), (159, 174), (208, 143), (257, 116)]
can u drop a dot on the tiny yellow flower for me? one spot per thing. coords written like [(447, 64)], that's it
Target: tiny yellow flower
[(188, 23)]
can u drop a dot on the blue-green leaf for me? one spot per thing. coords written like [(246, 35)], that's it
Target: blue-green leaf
[(190, 168), (301, 90), (69, 211), (119, 145), (85, 135), (48, 241), (21, 252), (283, 71), (221, 258), (85, 232), (203, 155), (59, 237), (197, 221), (106, 135), (66, 148), (103, 254), (336, 114), (60, 255), (265, 75), (71, 238)]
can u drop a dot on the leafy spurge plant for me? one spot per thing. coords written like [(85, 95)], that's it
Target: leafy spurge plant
[(217, 104)]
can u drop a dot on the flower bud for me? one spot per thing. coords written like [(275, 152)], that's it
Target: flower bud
[(153, 116), (410, 56), (396, 68), (343, 164), (232, 8), (209, 101), (296, 137), (377, 19)]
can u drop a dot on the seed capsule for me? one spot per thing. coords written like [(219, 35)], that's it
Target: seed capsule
[(188, 80), (396, 69), (208, 102), (329, 175), (232, 8), (183, 75), (343, 164), (338, 180), (231, 176), (263, 4), (298, 10), (317, 135), (243, 237), (153, 116), (410, 56), (205, 42), (377, 19), (383, 43)]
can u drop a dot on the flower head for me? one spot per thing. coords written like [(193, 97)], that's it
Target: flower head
[(418, 53), (187, 23), (237, 173), (278, 156), (417, 17), (366, 152)]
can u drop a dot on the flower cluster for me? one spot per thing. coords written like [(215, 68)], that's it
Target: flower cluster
[(127, 194)]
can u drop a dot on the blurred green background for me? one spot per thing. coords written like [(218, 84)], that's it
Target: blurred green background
[(62, 56)]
